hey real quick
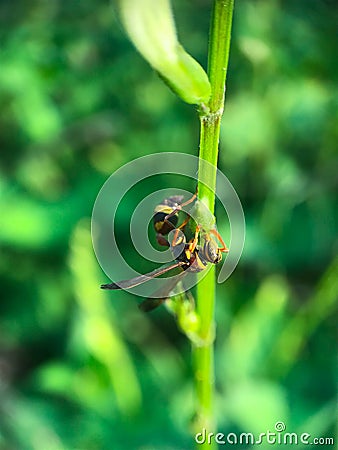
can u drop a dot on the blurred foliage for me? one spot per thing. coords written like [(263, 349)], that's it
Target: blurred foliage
[(83, 369)]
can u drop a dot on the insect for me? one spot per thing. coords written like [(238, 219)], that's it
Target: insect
[(193, 258)]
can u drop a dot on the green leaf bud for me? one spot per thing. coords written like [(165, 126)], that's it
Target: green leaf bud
[(150, 26)]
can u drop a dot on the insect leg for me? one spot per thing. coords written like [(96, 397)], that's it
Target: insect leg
[(179, 207), (193, 243), (224, 248)]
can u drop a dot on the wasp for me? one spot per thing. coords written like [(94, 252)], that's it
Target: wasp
[(193, 258)]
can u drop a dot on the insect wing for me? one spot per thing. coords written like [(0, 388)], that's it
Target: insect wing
[(124, 284), (150, 303), (161, 295)]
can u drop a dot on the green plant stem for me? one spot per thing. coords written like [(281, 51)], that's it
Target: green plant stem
[(210, 119)]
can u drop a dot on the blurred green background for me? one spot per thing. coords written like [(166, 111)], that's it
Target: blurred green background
[(84, 369)]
